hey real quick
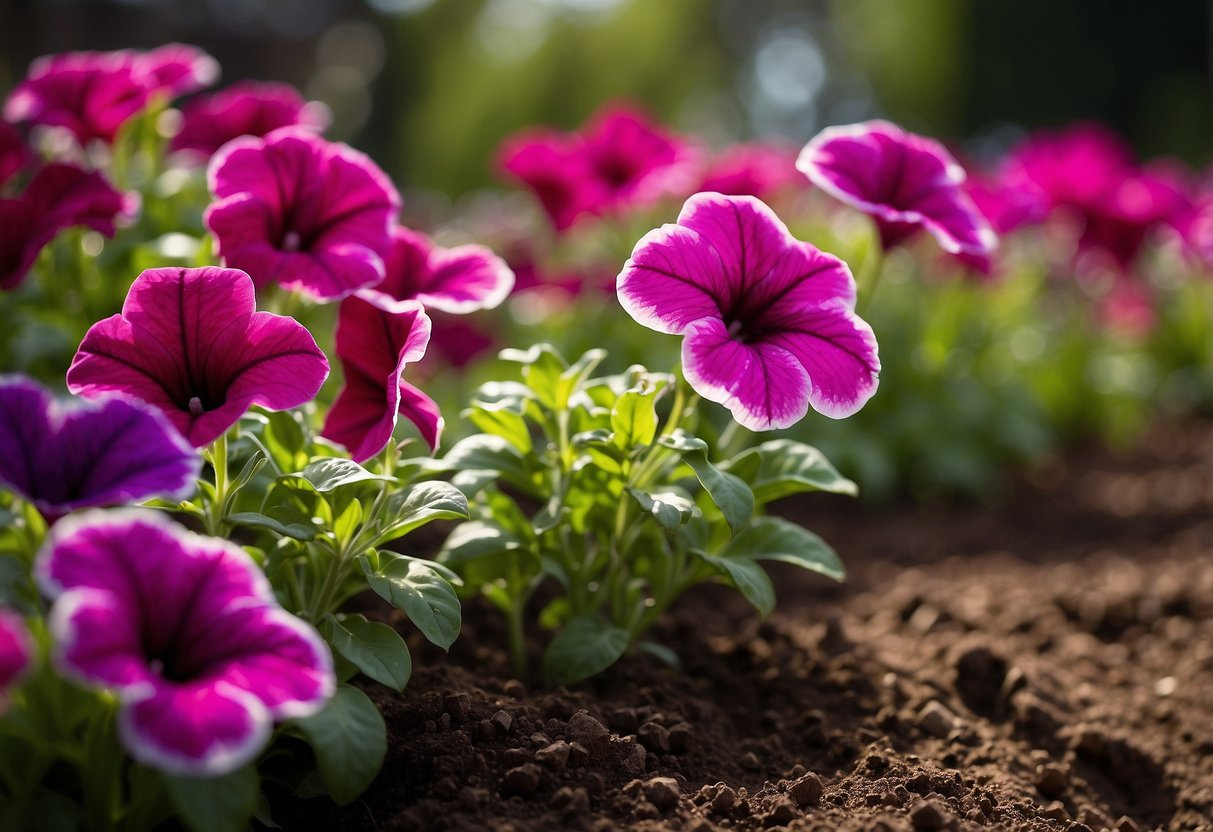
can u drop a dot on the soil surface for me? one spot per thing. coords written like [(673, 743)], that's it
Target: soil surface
[(1043, 663)]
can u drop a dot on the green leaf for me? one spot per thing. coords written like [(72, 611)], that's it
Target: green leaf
[(747, 576), (781, 467), (333, 472), (772, 538), (348, 521), (730, 494), (670, 509), (420, 591), (253, 520), (254, 464), (501, 419), (423, 503), (487, 453), (349, 739), (587, 645), (374, 648), (474, 540), (682, 442), (634, 418), (216, 804), (284, 439), (542, 367), (578, 371)]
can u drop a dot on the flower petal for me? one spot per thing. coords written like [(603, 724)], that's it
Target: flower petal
[(763, 385), (98, 642), (88, 453), (16, 651), (195, 730), (454, 280), (903, 180), (674, 277), (189, 342), (377, 338), (244, 109)]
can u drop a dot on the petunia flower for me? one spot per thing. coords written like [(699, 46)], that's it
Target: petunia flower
[(244, 109), (58, 197), (620, 161), (16, 653), (906, 182), (634, 161), (190, 342), (456, 280), (107, 451), (1006, 208), (13, 152), (92, 94), (1086, 174), (376, 339), (294, 209), (177, 69), (768, 321), (187, 634), (760, 170)]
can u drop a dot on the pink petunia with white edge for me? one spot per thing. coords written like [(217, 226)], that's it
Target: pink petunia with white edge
[(16, 653), (768, 321), (186, 632), (906, 182)]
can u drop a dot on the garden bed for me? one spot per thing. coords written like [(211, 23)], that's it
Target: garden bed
[(1042, 663)]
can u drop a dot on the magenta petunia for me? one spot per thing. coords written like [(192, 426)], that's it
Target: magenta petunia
[(634, 161), (768, 321), (13, 152), (619, 161), (245, 109), (906, 182), (376, 339), (92, 94), (190, 342), (302, 212), (456, 280), (107, 451), (1006, 208), (1087, 177), (760, 170), (16, 653), (177, 69), (58, 197), (186, 632)]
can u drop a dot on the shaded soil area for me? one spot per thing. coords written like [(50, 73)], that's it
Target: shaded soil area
[(1044, 663)]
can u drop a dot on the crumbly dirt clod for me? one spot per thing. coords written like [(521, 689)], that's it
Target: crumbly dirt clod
[(1043, 664)]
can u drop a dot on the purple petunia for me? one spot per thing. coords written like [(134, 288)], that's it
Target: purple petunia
[(245, 109), (65, 456), (16, 653), (376, 339), (768, 321), (302, 212), (620, 161), (456, 280), (190, 342), (906, 182), (186, 632), (58, 197)]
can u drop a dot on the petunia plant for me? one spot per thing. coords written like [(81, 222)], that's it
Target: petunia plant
[(591, 483)]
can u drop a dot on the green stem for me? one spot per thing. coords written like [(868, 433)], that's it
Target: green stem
[(517, 638), (873, 271), (215, 516)]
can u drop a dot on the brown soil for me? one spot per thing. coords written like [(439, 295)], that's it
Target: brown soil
[(1042, 664)]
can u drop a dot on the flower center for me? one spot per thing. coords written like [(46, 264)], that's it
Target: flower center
[(196, 408), (291, 241)]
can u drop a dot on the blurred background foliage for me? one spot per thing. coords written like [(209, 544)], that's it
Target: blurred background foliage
[(430, 87)]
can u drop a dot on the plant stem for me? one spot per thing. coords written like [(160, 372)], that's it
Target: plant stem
[(872, 275), (517, 639), (218, 456)]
